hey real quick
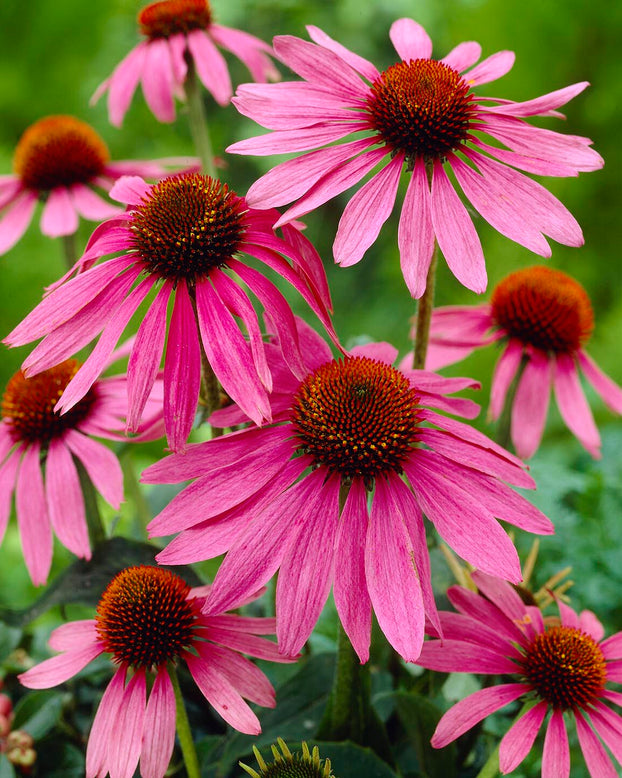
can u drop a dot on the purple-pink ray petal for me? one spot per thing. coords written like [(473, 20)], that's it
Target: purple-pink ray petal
[(504, 373), (612, 646), (32, 516), (381, 352), (60, 668), (410, 40), (310, 262), (491, 68), (350, 587), (393, 581), (73, 634), (8, 473), (105, 718), (473, 605), (146, 355), (365, 214), (470, 711), (518, 740), (609, 726), (463, 55), (287, 141), (556, 753), (596, 758), (130, 190), (245, 677), (248, 49), (501, 594), (543, 104), (158, 81), (415, 234), (239, 640), (59, 216), (529, 164), (222, 695), (14, 220), (211, 66), (588, 622), (306, 571), (458, 656), (123, 82), (456, 234), (159, 727), (531, 403), (229, 354), (361, 65), (182, 371), (609, 391), (100, 463), (65, 500), (90, 205), (573, 405), (127, 730)]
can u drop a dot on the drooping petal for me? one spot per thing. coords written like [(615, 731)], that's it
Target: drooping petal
[(415, 235), (123, 83), (610, 392), (211, 66), (59, 216), (245, 677), (248, 49), (572, 404), (100, 463), (158, 81), (596, 758), (505, 372), (518, 740), (15, 219), (60, 668), (65, 500), (32, 516), (556, 753), (127, 730), (361, 65), (159, 728), (8, 473), (97, 761), (90, 205), (531, 403)]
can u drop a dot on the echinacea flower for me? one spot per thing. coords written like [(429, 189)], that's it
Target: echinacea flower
[(544, 317), (563, 666), (61, 161), (39, 450), (294, 495), (181, 236), (147, 619), (306, 764), (179, 32), (418, 115)]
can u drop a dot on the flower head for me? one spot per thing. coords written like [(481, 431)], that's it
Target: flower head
[(419, 115), (563, 666), (61, 161), (287, 765), (179, 32), (182, 236), (544, 317), (40, 449), (147, 619), (294, 495)]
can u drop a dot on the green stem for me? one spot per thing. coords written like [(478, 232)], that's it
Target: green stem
[(142, 513), (97, 533), (70, 253), (424, 314), (210, 389), (184, 733), (198, 122)]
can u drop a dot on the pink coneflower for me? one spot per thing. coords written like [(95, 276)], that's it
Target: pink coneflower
[(149, 618), (179, 236), (61, 161), (417, 115), (179, 32), (562, 665), (38, 453), (295, 494), (545, 318)]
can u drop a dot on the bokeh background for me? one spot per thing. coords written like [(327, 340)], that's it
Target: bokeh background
[(53, 55)]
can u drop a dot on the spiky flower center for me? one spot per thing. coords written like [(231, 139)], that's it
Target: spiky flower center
[(59, 151), (169, 17), (422, 108), (305, 764), (187, 225), (545, 308), (566, 667), (357, 417), (28, 403), (144, 617)]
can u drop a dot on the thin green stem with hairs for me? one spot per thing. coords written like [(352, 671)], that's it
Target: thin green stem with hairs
[(197, 119), (70, 254), (188, 750)]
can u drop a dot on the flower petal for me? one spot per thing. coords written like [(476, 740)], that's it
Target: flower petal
[(411, 41), (159, 728), (556, 753)]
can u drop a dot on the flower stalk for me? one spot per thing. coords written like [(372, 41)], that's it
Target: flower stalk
[(97, 533), (184, 733), (197, 120), (424, 314)]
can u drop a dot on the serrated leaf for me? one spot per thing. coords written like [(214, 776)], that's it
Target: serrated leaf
[(419, 718), (38, 712), (84, 581)]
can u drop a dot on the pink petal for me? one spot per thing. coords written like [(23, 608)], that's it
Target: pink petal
[(531, 404), (541, 105), (127, 730), (491, 68), (157, 80), (108, 711), (100, 463), (518, 740), (159, 728), (123, 83), (89, 204), (15, 219), (572, 404), (365, 214), (349, 586), (182, 371), (612, 646), (556, 754), (287, 141), (8, 473), (248, 49), (415, 235), (245, 677), (131, 190), (456, 234), (361, 65), (463, 55), (60, 668), (596, 758), (65, 500), (450, 655), (32, 516), (609, 726), (411, 41), (306, 572), (59, 215), (505, 372), (470, 711), (69, 636), (588, 622), (610, 392), (211, 66)]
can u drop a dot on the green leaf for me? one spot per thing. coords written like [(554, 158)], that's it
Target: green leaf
[(38, 712), (9, 639), (6, 768), (419, 718), (83, 582)]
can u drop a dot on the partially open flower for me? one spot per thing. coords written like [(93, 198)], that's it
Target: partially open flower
[(544, 318), (62, 162), (178, 32), (148, 619), (287, 765)]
